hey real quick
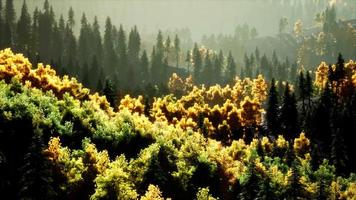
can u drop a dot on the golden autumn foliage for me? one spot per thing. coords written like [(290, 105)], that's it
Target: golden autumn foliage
[(323, 71), (127, 155), (45, 78), (217, 108)]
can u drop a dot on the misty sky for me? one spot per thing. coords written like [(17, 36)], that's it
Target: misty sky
[(200, 16)]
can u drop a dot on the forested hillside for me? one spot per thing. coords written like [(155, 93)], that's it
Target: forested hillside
[(200, 143), (91, 110)]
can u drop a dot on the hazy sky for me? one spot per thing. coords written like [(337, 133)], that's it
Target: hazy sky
[(200, 16)]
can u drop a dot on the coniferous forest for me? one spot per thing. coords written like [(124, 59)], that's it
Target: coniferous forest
[(95, 109)]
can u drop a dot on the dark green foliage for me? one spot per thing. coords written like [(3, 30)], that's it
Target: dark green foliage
[(197, 63), (110, 92), (272, 116), (289, 114), (36, 178)]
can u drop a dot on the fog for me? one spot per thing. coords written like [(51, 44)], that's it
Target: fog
[(200, 16)]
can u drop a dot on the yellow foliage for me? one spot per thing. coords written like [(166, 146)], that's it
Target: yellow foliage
[(350, 192), (301, 145), (134, 105), (152, 193)]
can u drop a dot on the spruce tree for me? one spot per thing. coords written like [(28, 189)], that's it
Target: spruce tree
[(308, 88), (289, 114), (109, 53), (109, 92), (177, 49), (144, 71), (84, 40), (231, 68), (207, 74), (123, 68), (302, 89), (197, 60), (36, 180), (272, 115), (23, 30), (96, 41)]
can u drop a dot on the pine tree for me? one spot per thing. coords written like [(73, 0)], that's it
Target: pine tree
[(144, 63), (123, 69), (308, 88), (272, 116), (10, 14), (197, 60), (188, 60), (167, 48), (177, 49), (109, 53), (96, 41), (23, 30), (207, 74), (231, 68), (257, 55), (248, 66), (109, 92), (84, 40), (36, 181), (45, 28), (289, 114), (70, 20), (302, 89)]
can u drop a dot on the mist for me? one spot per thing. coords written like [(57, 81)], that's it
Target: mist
[(201, 17)]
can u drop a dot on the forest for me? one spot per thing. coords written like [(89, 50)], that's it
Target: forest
[(91, 108)]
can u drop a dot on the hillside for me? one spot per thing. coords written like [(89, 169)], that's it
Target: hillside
[(59, 141)]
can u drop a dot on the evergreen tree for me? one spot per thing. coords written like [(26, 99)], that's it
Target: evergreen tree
[(218, 66), (45, 28), (10, 14), (133, 51), (302, 89), (70, 20), (96, 42), (257, 55), (109, 53), (308, 88), (289, 114), (123, 69), (57, 44), (144, 78), (208, 73), (265, 67), (231, 68), (84, 40), (167, 48), (36, 180), (177, 49), (23, 30), (248, 66), (188, 59), (109, 92), (272, 116), (157, 58), (197, 60)]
